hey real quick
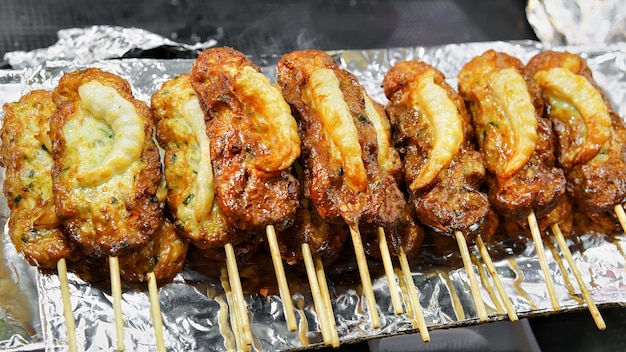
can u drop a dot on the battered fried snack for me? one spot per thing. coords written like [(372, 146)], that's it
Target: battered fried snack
[(181, 132), (164, 255), (433, 133), (106, 168), (25, 152), (324, 238), (515, 141), (406, 234), (591, 137), (253, 140), (342, 175)]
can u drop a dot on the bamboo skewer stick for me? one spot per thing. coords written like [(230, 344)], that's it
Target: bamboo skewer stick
[(391, 277), (534, 229), (467, 262), (155, 312), (116, 292), (235, 285), (235, 321), (364, 272), (70, 323), (323, 284), (563, 270), (416, 307), (283, 287), (317, 295), (483, 275), (593, 309), (484, 253), (621, 215)]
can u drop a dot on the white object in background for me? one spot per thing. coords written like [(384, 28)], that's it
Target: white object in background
[(500, 336)]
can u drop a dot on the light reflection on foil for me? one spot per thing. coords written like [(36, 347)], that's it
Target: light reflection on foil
[(91, 44), (575, 22), (194, 305)]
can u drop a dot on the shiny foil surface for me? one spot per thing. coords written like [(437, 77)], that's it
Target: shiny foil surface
[(576, 22), (194, 306)]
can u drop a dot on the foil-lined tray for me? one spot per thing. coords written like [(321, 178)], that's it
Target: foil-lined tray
[(194, 306)]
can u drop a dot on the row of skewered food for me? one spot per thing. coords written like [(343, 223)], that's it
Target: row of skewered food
[(221, 154)]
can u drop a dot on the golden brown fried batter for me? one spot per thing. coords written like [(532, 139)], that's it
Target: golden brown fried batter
[(324, 238), (164, 255), (26, 151), (181, 132), (407, 233), (434, 134), (342, 174), (254, 140), (591, 137), (515, 141), (106, 165)]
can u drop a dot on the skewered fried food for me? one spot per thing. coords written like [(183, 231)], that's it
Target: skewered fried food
[(181, 132), (34, 227), (591, 137), (254, 140), (106, 165), (442, 170), (433, 133), (26, 150), (515, 141), (339, 143), (406, 233), (342, 175)]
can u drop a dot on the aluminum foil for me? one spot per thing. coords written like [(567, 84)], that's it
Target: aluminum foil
[(575, 22), (194, 307), (90, 44)]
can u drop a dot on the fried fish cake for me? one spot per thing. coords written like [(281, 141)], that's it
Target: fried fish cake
[(181, 132), (164, 255), (106, 164), (342, 174), (516, 142), (254, 140), (433, 130), (591, 136), (26, 153)]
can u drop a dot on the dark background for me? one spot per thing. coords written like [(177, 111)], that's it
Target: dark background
[(279, 26), (273, 26)]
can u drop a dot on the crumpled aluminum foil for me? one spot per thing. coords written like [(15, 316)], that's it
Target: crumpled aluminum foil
[(87, 45), (575, 22), (194, 306)]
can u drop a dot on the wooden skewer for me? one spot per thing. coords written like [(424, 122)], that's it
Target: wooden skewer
[(70, 324), (593, 309), (416, 307), (116, 292), (467, 262), (364, 272), (483, 275), (155, 312), (484, 253), (283, 287), (235, 285), (534, 229), (323, 283), (315, 292), (563, 270), (235, 320), (621, 215), (391, 277)]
